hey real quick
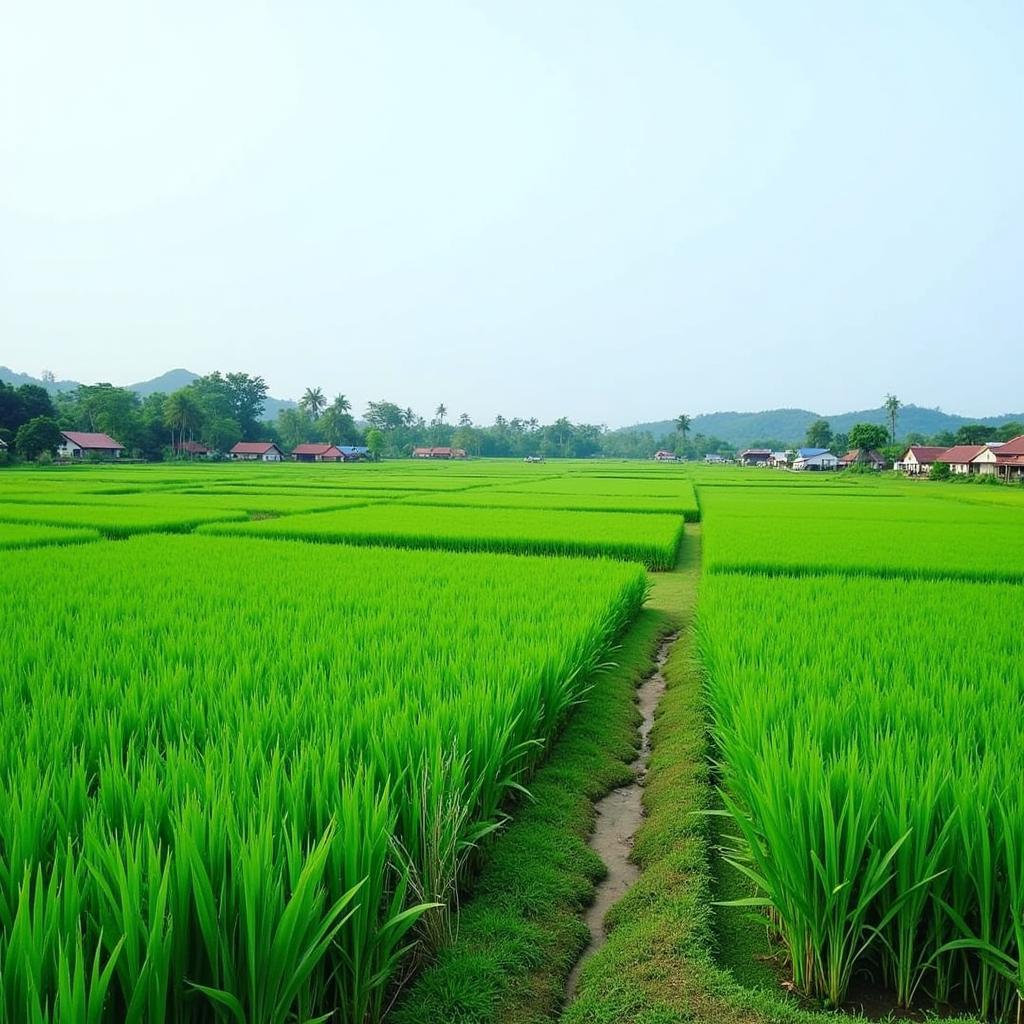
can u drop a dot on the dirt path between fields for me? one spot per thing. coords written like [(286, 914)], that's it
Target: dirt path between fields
[(619, 815)]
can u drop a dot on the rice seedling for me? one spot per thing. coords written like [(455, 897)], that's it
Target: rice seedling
[(28, 535), (651, 539), (874, 785), (235, 777)]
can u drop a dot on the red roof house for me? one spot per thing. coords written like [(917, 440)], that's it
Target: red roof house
[(872, 458), (439, 453), (1010, 458), (317, 453), (256, 451), (191, 448), (919, 458), (960, 456), (77, 444)]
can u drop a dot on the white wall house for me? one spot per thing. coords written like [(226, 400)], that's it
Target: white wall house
[(918, 459), (814, 459), (256, 451), (77, 444)]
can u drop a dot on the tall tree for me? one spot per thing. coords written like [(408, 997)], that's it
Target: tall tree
[(892, 410), (182, 416), (865, 436), (440, 413), (40, 434), (313, 402), (819, 434), (683, 426)]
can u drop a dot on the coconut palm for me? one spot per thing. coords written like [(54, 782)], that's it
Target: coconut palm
[(892, 409), (313, 402), (683, 425)]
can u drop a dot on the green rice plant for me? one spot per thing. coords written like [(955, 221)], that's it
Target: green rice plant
[(239, 776), (685, 506), (873, 785), (115, 520), (28, 535), (651, 539)]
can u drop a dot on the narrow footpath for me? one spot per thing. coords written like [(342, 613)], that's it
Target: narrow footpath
[(619, 815)]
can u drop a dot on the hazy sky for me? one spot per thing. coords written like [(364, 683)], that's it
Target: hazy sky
[(614, 211)]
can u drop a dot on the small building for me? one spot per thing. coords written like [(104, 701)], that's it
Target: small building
[(781, 460), (755, 456), (1010, 459), (78, 444), (713, 458), (256, 451), (984, 463), (870, 457), (353, 452), (192, 448), (919, 459), (534, 458), (665, 456), (960, 457), (3, 445), (317, 453), (815, 460), (439, 453)]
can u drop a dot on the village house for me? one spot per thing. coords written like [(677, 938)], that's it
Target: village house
[(317, 453), (78, 444), (814, 460), (256, 451), (439, 453), (353, 452), (1010, 459), (192, 448), (755, 456), (665, 456), (960, 457), (984, 463), (919, 459), (714, 459), (781, 460), (871, 458)]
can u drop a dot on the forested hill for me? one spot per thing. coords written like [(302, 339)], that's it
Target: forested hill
[(790, 425), (167, 383)]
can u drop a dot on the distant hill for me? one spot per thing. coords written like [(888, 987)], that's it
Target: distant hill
[(790, 425), (167, 382)]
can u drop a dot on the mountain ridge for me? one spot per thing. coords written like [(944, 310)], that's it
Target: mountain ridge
[(171, 380), (789, 426)]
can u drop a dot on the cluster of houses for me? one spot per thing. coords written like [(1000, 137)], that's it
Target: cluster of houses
[(267, 451), (439, 453), (78, 445), (1002, 459)]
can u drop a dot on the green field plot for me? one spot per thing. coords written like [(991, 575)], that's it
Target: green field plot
[(29, 535), (117, 520), (955, 544), (488, 498), (679, 487), (233, 774), (869, 735), (651, 539)]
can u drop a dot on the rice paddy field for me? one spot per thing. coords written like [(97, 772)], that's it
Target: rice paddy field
[(861, 651), (246, 780), (260, 723)]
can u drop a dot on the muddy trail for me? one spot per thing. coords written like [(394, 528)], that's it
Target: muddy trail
[(619, 815)]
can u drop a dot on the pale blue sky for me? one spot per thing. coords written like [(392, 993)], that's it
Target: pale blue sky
[(614, 211)]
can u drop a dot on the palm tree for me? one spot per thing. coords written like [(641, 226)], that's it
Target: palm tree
[(440, 412), (313, 401), (892, 408), (341, 404), (683, 425), (181, 414)]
